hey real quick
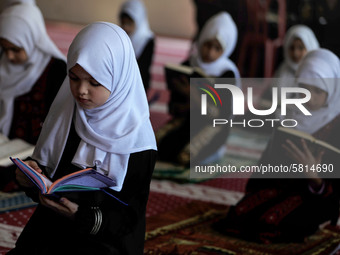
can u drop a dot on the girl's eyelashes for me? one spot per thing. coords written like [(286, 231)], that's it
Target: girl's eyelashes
[(73, 78), (95, 83)]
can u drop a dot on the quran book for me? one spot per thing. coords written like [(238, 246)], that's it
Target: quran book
[(173, 71), (83, 180), (281, 134)]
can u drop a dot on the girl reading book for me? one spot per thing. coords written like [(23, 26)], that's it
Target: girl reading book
[(32, 70), (99, 119), (216, 43), (134, 20), (286, 207)]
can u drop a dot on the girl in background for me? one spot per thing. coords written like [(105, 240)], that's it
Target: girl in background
[(290, 208), (216, 43), (299, 40), (134, 20), (32, 70), (101, 119)]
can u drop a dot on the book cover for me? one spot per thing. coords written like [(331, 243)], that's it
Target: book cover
[(77, 182), (177, 71)]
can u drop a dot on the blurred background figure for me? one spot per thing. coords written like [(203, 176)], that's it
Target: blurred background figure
[(215, 44), (31, 71), (134, 20), (299, 40)]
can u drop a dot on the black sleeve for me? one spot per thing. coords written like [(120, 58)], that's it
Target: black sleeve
[(113, 218), (145, 61)]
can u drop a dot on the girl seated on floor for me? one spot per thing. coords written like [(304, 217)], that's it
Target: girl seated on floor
[(215, 44), (134, 20), (101, 119), (32, 70), (288, 209)]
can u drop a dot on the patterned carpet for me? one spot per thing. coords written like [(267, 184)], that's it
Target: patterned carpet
[(188, 230), (179, 214)]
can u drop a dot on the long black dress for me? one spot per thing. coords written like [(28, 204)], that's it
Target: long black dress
[(123, 227)]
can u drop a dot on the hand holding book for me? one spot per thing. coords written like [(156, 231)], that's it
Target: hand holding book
[(72, 185), (305, 157), (22, 178)]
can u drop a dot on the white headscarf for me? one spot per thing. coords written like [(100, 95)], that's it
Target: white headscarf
[(22, 25), (221, 27), (7, 3), (142, 34), (288, 68), (108, 133), (319, 68)]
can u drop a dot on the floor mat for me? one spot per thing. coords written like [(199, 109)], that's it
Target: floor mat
[(244, 148), (187, 230)]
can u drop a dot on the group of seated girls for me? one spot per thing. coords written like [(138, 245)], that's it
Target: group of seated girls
[(101, 118), (274, 209)]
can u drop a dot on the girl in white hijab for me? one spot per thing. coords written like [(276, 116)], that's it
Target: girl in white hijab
[(299, 40), (30, 63), (134, 20), (319, 72), (277, 206), (216, 43), (100, 118), (222, 29)]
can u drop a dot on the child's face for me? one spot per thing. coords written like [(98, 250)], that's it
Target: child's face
[(211, 50), (85, 89), (297, 50), (14, 54), (318, 97), (127, 24)]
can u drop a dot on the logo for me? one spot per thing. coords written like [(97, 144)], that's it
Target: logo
[(239, 102), (204, 98)]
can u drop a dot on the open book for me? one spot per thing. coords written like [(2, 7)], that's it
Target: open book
[(173, 71), (178, 81), (17, 148), (281, 134), (83, 180)]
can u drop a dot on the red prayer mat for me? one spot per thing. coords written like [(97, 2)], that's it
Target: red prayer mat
[(187, 230)]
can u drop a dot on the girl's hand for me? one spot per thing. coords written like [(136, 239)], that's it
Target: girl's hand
[(64, 207), (305, 156), (22, 179)]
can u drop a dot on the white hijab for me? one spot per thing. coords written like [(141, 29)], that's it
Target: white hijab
[(288, 68), (319, 68), (108, 133), (22, 25), (142, 34), (221, 27)]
